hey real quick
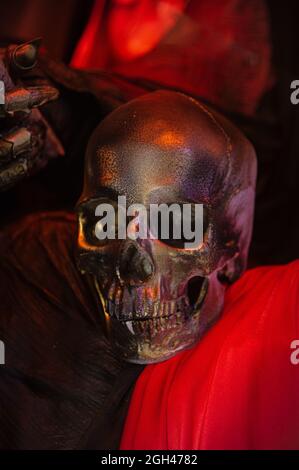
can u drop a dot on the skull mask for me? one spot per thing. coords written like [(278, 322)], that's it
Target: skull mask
[(158, 298)]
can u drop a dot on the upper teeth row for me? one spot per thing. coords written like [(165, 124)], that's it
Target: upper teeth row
[(146, 310)]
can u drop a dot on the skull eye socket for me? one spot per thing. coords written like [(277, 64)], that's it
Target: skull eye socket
[(88, 221), (177, 225)]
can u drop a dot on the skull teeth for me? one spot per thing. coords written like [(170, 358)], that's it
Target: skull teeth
[(159, 311), (153, 325)]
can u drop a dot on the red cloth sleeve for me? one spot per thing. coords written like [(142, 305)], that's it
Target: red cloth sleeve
[(237, 389)]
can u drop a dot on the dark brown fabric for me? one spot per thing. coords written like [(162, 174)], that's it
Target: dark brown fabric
[(62, 386)]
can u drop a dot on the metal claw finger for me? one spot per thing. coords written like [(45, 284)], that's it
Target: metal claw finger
[(24, 99), (2, 99), (13, 144), (24, 56), (11, 175)]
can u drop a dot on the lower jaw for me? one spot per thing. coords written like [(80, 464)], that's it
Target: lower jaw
[(155, 340), (157, 346), (148, 354)]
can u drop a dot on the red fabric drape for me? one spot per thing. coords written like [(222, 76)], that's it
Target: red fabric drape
[(218, 50), (237, 389)]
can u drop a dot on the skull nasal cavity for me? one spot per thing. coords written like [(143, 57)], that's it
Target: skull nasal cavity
[(136, 265)]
